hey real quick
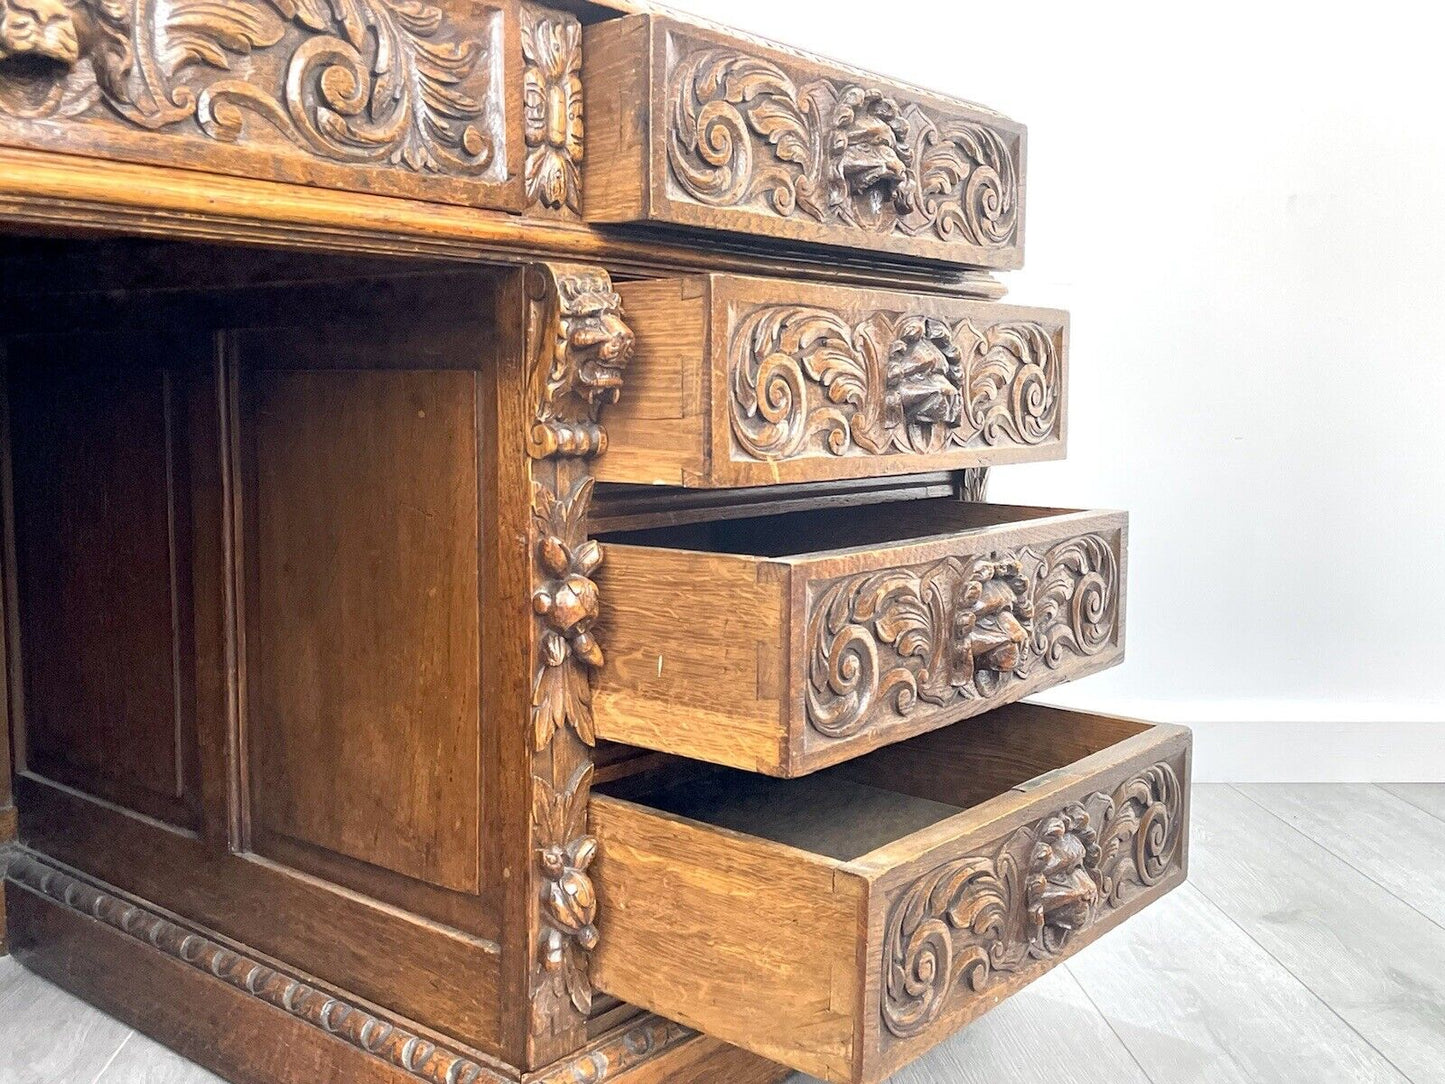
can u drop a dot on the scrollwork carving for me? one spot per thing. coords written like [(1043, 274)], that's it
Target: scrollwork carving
[(807, 380), (360, 82), (745, 134), (960, 629), (1025, 899)]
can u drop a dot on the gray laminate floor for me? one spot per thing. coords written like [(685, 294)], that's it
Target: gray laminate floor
[(1308, 946)]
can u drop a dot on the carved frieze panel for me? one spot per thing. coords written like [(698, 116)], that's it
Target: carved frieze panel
[(784, 139), (408, 97), (809, 381), (952, 932), (884, 647)]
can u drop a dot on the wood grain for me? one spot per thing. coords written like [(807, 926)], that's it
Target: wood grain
[(776, 610), (723, 904), (743, 381), (706, 129)]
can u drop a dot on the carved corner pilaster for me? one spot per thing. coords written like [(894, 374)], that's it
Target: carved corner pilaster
[(578, 350)]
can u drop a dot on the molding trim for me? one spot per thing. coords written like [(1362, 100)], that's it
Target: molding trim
[(604, 1059), (370, 1034)]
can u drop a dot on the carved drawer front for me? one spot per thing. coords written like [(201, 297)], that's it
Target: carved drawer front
[(747, 381), (844, 923), (785, 643), (418, 98), (693, 127)]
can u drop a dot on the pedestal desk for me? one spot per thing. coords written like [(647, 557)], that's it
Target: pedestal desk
[(497, 579)]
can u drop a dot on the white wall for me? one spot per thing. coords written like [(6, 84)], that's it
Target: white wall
[(1243, 206)]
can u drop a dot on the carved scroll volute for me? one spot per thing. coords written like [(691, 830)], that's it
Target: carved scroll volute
[(578, 349), (1023, 900)]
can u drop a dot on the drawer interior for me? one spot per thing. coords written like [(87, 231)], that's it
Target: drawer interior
[(822, 530), (854, 808)]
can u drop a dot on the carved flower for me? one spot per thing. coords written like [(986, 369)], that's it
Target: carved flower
[(1061, 892), (569, 902), (552, 100)]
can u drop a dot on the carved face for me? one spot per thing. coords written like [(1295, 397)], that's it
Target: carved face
[(38, 28), (599, 343), (871, 153), (924, 376), (1062, 892)]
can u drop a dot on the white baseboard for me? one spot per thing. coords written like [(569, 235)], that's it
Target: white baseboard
[(1295, 741)]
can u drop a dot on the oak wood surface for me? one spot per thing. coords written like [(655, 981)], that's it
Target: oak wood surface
[(745, 381), (730, 641), (70, 196), (699, 871), (703, 128)]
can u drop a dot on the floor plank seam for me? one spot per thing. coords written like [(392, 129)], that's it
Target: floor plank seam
[(111, 1060), (1412, 804), (1290, 971), (1110, 1025), (1340, 858)]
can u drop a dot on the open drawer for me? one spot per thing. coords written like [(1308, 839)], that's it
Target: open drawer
[(693, 126), (844, 923), (784, 643), (743, 381)]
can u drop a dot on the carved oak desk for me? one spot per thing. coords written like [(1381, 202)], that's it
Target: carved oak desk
[(497, 579)]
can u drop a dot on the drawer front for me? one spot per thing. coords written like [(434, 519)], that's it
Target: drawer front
[(420, 100), (850, 969), (743, 381), (787, 665), (693, 127)]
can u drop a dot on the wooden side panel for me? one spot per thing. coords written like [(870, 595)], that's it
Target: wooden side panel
[(695, 647), (753, 943), (614, 182), (101, 527), (370, 96), (657, 432), (363, 635)]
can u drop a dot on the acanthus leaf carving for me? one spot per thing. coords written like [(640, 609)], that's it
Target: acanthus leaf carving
[(552, 107), (1026, 898), (807, 380), (568, 901), (361, 82), (959, 629), (565, 601), (745, 134)]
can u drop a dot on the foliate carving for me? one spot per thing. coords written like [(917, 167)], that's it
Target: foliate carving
[(374, 1035), (590, 348), (566, 603), (808, 380), (957, 630), (1026, 898), (744, 134), (973, 485), (552, 107), (360, 82), (569, 904)]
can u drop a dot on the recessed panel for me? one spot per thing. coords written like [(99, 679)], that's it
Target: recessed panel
[(101, 540), (363, 616)]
